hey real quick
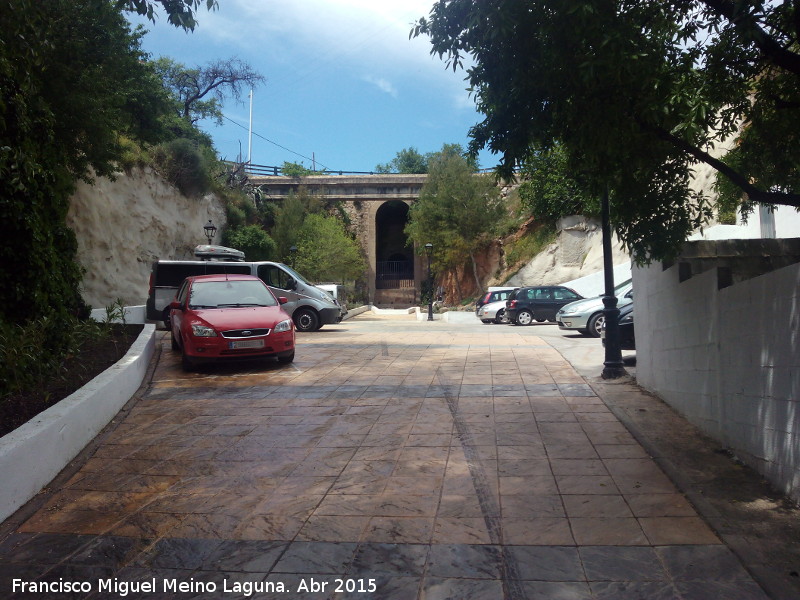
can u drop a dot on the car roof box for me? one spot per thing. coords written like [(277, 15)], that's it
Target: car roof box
[(208, 252)]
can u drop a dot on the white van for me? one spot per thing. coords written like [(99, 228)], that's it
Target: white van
[(309, 306)]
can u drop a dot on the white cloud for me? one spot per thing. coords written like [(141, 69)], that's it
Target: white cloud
[(382, 84)]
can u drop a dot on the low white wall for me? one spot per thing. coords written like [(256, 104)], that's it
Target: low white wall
[(134, 315), (31, 455), (727, 359), (595, 284)]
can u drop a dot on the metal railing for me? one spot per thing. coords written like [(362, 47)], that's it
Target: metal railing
[(394, 274)]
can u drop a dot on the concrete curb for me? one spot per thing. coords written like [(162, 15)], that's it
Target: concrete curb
[(31, 455)]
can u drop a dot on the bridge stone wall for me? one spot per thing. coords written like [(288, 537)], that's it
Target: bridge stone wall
[(361, 197)]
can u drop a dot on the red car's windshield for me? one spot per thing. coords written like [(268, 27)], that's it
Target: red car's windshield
[(225, 294)]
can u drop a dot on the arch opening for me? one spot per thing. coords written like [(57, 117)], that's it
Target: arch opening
[(394, 266)]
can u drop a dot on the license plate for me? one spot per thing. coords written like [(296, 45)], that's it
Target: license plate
[(242, 344)]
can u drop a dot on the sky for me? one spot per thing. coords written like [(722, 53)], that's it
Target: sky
[(345, 86)]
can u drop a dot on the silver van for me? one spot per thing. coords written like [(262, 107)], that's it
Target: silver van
[(309, 306)]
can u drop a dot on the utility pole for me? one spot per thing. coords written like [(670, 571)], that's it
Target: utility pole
[(250, 132)]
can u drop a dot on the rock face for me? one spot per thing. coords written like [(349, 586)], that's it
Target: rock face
[(577, 252), (123, 226)]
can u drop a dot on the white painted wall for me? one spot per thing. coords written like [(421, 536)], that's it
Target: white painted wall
[(34, 453), (728, 360)]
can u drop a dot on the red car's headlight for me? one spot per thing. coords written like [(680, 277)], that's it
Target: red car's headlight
[(199, 330), (283, 326)]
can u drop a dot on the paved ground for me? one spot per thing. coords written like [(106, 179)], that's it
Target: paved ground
[(426, 460)]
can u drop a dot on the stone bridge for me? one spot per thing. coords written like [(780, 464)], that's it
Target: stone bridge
[(377, 206)]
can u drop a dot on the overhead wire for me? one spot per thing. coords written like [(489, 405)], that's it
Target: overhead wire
[(313, 160)]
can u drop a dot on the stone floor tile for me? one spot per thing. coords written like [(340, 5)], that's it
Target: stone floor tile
[(677, 530), (323, 528), (390, 559), (465, 561), (620, 563), (315, 557), (566, 590), (637, 590), (547, 563), (463, 589), (461, 530), (660, 505), (537, 532), (601, 531), (406, 530), (596, 505), (586, 484)]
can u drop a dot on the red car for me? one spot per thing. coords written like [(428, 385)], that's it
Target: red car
[(218, 317)]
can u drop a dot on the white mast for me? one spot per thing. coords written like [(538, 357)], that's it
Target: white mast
[(250, 132)]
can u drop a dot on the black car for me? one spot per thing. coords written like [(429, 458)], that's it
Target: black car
[(539, 303), (494, 296), (627, 336)]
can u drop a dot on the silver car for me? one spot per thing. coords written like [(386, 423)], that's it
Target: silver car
[(494, 312), (586, 316)]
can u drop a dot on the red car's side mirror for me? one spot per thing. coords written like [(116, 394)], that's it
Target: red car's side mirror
[(282, 299), (176, 305)]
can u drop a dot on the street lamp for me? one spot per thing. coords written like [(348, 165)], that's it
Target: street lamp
[(210, 231), (428, 251), (613, 367), (292, 252)]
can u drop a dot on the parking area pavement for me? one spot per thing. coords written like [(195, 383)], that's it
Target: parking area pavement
[(393, 459)]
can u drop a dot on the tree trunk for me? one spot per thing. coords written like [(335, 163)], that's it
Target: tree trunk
[(475, 273)]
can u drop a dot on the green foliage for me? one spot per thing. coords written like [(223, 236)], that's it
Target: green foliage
[(252, 240), (70, 89), (552, 191), (179, 14), (197, 93), (326, 252), (522, 250), (28, 357), (635, 92), (457, 212), (289, 219), (409, 160), (183, 164), (290, 169)]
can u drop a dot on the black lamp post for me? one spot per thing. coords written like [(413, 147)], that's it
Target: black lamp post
[(210, 231), (292, 252), (613, 367), (428, 251)]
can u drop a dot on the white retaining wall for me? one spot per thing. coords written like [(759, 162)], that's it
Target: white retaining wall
[(728, 360), (31, 455)]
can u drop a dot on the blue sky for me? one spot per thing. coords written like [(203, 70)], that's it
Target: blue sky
[(345, 85)]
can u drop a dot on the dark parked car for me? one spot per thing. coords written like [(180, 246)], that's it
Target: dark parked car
[(492, 296), (539, 303), (627, 336)]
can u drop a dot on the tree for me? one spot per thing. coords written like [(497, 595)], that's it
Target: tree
[(291, 169), (179, 13), (326, 252), (73, 79), (289, 218), (551, 191), (253, 241), (198, 92), (408, 160), (457, 211), (636, 92)]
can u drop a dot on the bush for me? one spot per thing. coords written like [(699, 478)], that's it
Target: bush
[(182, 163), (252, 240)]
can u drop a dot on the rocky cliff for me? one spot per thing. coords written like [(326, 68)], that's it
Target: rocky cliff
[(124, 225)]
